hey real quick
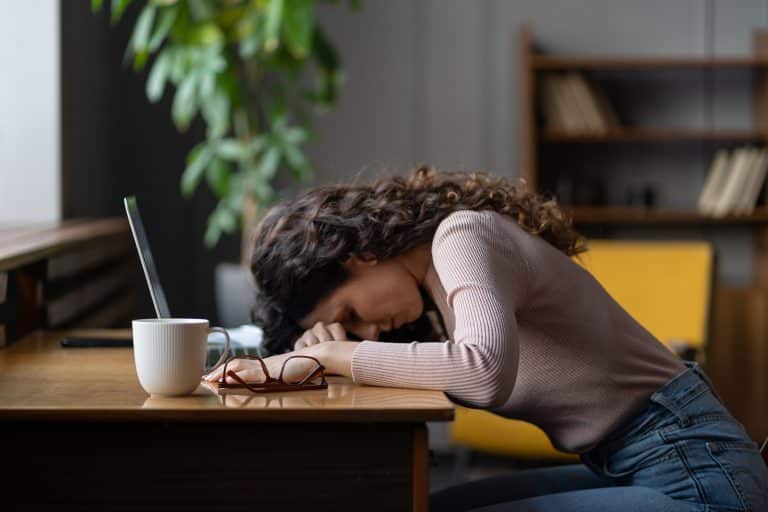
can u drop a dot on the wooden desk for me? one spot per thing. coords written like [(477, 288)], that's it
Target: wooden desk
[(77, 430), (78, 273)]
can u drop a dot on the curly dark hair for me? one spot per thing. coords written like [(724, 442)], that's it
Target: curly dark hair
[(300, 245)]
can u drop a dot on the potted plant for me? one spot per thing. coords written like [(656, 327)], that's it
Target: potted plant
[(242, 66), (251, 69)]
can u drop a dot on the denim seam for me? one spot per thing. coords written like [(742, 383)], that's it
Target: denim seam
[(642, 436), (709, 418), (691, 474), (724, 466), (738, 445), (693, 393)]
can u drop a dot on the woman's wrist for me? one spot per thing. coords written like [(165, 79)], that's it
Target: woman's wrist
[(336, 356)]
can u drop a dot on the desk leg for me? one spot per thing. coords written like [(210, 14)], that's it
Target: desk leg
[(420, 468)]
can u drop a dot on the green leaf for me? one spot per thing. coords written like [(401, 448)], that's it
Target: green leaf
[(230, 149), (298, 27), (117, 10), (269, 163), (227, 218), (143, 29), (207, 83), (216, 113), (272, 25), (184, 105), (96, 5), (296, 160), (178, 64), (164, 24), (257, 144), (250, 46), (212, 232), (218, 177), (200, 9), (221, 220), (197, 160), (262, 191), (295, 136), (157, 76)]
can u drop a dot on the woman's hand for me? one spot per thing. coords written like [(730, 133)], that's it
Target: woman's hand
[(319, 333), (335, 356), (250, 370)]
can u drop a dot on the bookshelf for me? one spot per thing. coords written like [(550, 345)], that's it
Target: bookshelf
[(536, 137), (738, 349)]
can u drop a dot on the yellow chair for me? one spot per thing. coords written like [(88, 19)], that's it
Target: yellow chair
[(666, 286)]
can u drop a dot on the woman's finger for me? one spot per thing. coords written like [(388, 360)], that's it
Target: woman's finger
[(321, 332), (216, 373), (337, 331), (248, 375), (301, 342)]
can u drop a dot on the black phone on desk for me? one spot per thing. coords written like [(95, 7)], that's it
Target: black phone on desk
[(95, 342)]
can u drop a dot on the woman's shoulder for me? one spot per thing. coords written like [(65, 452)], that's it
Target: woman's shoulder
[(476, 225), (480, 246)]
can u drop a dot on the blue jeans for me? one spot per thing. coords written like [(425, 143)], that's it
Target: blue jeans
[(683, 452)]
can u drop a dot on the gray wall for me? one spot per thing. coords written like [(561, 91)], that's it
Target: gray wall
[(436, 81)]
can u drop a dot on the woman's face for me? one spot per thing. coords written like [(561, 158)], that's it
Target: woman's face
[(378, 296)]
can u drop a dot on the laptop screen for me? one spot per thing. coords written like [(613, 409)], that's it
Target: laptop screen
[(145, 255)]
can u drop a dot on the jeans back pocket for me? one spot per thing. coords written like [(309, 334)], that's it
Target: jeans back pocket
[(743, 466)]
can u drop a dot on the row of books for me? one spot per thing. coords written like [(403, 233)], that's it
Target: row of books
[(572, 104), (734, 183)]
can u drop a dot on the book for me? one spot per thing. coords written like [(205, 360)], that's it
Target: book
[(582, 122), (734, 184), (550, 104), (755, 182), (744, 193), (592, 116), (571, 117), (718, 171)]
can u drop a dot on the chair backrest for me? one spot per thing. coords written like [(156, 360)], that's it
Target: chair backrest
[(666, 286)]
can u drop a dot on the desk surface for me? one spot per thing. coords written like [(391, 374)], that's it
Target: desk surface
[(40, 381)]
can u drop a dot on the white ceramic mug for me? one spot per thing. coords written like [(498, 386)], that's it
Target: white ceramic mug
[(170, 353)]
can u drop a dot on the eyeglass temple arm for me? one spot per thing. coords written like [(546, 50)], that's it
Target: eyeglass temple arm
[(320, 368)]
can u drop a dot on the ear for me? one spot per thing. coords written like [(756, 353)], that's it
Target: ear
[(354, 262)]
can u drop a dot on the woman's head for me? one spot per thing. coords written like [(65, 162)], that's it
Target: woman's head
[(357, 253)]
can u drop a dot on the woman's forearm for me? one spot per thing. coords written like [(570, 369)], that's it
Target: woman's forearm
[(336, 356)]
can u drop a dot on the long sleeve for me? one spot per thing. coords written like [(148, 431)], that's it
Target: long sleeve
[(484, 277)]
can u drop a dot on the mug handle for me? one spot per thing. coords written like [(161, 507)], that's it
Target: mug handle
[(224, 354)]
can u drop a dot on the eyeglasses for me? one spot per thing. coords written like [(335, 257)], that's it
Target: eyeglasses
[(304, 372)]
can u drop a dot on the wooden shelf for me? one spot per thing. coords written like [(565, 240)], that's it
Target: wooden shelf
[(637, 215), (547, 63), (655, 135)]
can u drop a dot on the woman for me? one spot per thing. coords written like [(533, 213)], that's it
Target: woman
[(531, 335)]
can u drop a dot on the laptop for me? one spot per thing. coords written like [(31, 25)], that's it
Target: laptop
[(246, 339)]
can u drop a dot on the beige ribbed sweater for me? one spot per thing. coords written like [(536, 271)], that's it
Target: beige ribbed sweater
[(533, 336)]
